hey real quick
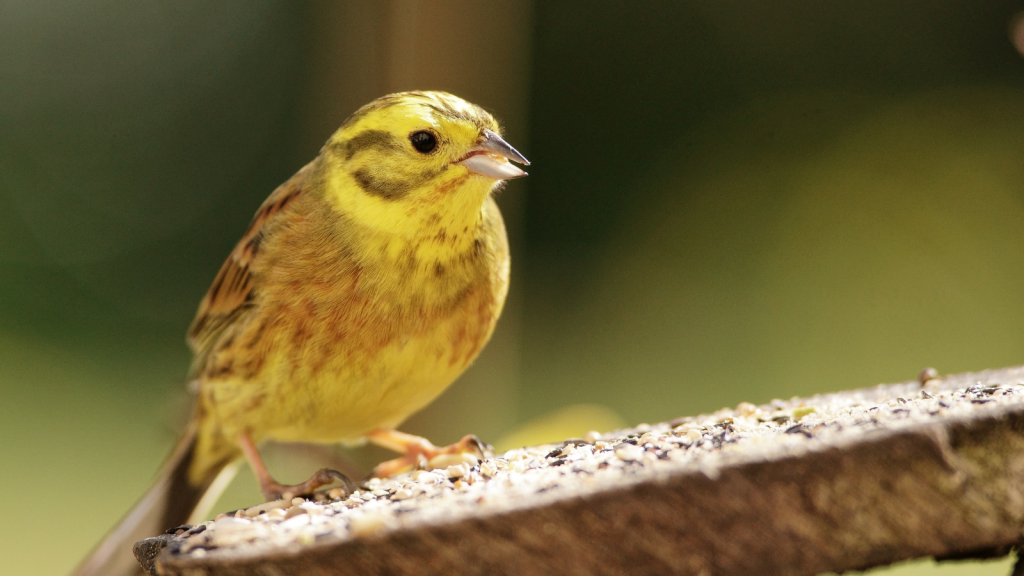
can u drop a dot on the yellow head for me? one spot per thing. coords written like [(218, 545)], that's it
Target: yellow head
[(412, 162)]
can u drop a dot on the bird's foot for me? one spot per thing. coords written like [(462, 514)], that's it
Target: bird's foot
[(419, 452), (272, 490)]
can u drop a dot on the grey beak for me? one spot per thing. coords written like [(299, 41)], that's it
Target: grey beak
[(494, 143), (491, 157)]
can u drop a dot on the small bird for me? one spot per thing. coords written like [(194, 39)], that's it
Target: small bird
[(364, 286)]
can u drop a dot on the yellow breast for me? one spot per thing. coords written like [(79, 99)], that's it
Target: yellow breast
[(355, 330)]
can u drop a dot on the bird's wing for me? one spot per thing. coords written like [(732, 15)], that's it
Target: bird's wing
[(233, 292)]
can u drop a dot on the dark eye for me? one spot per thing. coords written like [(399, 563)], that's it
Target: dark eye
[(423, 141)]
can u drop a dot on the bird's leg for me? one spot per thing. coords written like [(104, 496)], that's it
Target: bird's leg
[(416, 450), (272, 490)]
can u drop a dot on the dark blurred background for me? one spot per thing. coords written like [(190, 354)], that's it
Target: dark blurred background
[(729, 201)]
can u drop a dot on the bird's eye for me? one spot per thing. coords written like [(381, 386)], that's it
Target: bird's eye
[(423, 141)]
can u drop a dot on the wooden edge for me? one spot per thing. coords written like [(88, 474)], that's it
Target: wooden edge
[(950, 488)]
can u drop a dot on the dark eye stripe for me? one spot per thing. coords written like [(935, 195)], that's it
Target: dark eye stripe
[(370, 140), (382, 183), (386, 188), (394, 188)]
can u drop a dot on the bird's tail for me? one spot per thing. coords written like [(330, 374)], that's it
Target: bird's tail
[(171, 501)]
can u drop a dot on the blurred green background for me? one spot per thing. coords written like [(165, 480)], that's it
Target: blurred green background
[(729, 201)]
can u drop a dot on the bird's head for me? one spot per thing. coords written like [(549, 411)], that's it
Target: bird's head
[(413, 160)]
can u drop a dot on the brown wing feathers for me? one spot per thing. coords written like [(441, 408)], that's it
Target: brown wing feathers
[(232, 291)]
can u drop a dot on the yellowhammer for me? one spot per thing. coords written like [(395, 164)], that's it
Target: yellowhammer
[(362, 288)]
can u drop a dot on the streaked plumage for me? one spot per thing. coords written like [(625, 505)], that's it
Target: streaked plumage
[(363, 287)]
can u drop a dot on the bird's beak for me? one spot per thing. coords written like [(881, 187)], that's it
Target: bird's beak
[(491, 157)]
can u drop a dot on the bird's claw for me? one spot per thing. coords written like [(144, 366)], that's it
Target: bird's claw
[(423, 453), (275, 491), (483, 449)]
